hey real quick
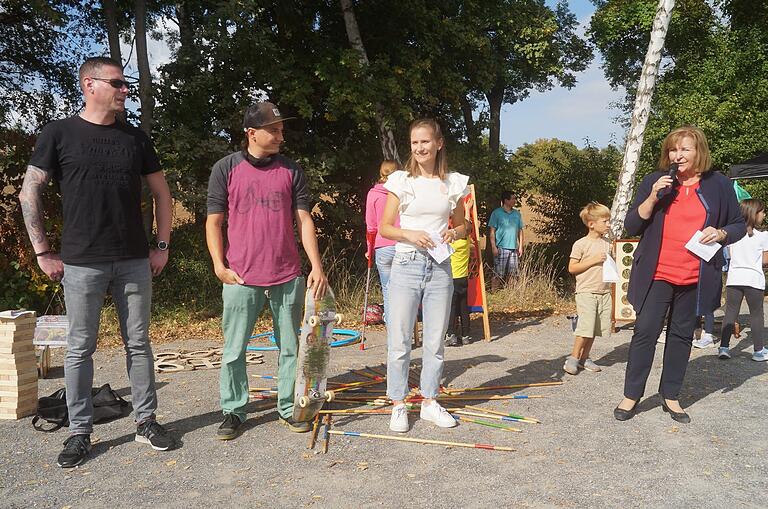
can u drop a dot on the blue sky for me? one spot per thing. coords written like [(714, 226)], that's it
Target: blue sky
[(585, 111)]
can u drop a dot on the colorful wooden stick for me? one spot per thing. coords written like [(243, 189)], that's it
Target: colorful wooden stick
[(486, 410), (486, 423), (315, 429), (266, 377), (422, 440), (502, 387), (487, 416), (327, 434)]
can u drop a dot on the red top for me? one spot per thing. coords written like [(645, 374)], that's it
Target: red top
[(682, 218)]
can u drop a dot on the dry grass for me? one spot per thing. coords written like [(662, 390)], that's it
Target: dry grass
[(536, 288), (536, 291)]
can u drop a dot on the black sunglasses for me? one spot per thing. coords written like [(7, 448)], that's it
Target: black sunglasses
[(114, 82)]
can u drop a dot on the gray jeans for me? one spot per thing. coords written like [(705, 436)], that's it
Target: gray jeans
[(733, 298), (85, 286)]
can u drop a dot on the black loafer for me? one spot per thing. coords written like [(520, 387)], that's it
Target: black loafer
[(681, 417), (624, 415)]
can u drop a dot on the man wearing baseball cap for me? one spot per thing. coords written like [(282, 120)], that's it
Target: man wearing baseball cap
[(262, 194)]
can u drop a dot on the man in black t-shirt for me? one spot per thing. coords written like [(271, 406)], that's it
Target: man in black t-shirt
[(98, 162)]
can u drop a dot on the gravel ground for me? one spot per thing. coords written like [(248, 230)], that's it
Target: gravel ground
[(578, 456)]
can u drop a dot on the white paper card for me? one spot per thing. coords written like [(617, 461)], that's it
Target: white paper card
[(703, 251), (610, 270), (441, 251)]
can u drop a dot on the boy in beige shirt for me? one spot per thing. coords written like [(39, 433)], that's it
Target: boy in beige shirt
[(593, 297)]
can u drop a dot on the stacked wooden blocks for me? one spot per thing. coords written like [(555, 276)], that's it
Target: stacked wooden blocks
[(18, 367)]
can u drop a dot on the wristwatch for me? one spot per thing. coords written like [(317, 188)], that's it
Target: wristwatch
[(162, 245)]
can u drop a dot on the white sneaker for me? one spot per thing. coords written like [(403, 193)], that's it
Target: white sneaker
[(706, 341), (436, 414), (760, 356), (398, 422)]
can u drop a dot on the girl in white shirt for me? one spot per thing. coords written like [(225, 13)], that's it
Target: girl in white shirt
[(746, 279), (426, 194)]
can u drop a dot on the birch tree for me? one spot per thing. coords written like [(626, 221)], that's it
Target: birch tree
[(640, 113)]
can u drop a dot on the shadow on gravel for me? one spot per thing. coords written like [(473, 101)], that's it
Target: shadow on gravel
[(544, 370), (503, 324), (707, 374)]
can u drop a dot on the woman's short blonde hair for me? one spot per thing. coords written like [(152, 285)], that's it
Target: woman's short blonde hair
[(703, 162), (593, 211), (387, 168)]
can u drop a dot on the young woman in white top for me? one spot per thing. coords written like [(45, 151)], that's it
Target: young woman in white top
[(426, 194), (746, 279)]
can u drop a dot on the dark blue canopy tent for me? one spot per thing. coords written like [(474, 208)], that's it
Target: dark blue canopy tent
[(754, 168)]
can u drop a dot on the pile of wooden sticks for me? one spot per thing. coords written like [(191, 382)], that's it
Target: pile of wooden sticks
[(367, 397)]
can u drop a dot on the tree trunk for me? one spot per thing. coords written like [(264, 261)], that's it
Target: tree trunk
[(495, 99), (113, 36), (473, 137), (146, 98), (386, 136), (640, 115), (147, 104)]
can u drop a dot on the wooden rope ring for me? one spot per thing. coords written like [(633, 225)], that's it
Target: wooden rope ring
[(168, 367)]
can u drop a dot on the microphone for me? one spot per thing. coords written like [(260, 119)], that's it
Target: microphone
[(672, 172)]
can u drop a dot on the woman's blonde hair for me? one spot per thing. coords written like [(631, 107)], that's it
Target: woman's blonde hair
[(387, 168), (703, 161), (441, 160), (750, 208)]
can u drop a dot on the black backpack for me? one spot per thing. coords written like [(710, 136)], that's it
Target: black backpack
[(107, 406)]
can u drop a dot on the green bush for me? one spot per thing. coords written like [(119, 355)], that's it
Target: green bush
[(188, 283)]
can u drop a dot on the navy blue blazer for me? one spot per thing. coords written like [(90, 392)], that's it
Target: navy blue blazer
[(722, 211)]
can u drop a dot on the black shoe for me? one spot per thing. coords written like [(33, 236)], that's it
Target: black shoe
[(152, 433), (681, 417), (76, 449), (295, 426), (624, 415), (465, 340), (230, 428)]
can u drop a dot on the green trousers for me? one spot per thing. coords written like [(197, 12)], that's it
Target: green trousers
[(242, 307)]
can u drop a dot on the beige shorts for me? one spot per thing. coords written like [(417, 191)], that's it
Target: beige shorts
[(594, 310)]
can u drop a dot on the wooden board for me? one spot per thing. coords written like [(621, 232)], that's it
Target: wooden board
[(624, 252), (11, 380), (17, 413), (19, 389), (16, 347)]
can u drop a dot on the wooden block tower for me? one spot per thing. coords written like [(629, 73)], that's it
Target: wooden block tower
[(18, 367)]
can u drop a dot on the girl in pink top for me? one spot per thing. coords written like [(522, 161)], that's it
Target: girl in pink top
[(374, 208)]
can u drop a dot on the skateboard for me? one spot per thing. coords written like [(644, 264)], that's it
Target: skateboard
[(314, 353)]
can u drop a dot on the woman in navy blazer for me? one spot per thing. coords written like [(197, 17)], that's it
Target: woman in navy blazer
[(666, 278)]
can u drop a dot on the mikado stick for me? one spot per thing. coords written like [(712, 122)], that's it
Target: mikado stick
[(422, 441)]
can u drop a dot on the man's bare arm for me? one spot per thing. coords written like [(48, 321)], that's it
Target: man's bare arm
[(31, 199)]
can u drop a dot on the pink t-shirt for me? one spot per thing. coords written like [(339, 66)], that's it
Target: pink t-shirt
[(374, 210), (259, 197)]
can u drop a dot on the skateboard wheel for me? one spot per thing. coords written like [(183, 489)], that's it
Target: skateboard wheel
[(339, 318), (303, 402), (313, 320), (329, 395)]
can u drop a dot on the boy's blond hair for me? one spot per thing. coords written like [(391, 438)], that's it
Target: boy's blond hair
[(593, 211)]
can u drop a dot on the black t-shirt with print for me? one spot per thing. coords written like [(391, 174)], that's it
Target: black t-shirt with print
[(99, 170)]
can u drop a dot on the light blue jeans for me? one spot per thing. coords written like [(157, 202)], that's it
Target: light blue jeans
[(384, 256), (85, 286), (417, 279)]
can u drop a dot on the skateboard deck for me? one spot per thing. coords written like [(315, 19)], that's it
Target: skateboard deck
[(314, 353)]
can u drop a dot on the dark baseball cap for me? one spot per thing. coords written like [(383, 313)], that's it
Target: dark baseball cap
[(262, 114)]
